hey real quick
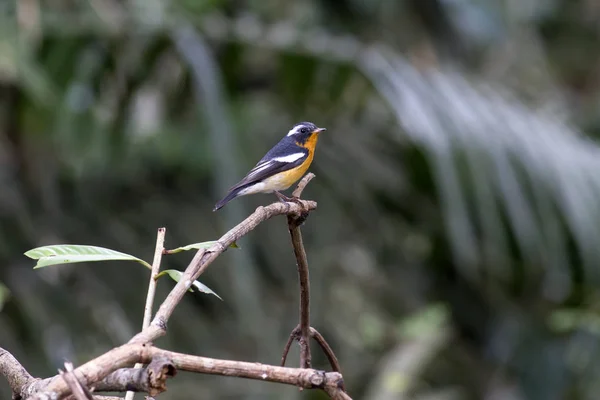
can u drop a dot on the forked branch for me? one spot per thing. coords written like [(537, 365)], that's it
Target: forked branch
[(205, 257), (111, 371), (303, 332)]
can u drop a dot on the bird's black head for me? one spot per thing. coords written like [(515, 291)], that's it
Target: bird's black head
[(303, 131)]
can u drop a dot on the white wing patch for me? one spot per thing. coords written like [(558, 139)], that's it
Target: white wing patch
[(265, 165), (259, 168), (290, 158)]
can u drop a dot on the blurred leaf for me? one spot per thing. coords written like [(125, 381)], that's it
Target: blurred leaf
[(518, 159), (4, 294), (198, 246), (424, 322), (176, 276), (567, 320), (70, 253)]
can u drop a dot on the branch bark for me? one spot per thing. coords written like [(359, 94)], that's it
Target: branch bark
[(16, 375), (294, 224), (333, 361), (151, 380), (205, 257), (105, 365), (302, 264), (79, 391), (303, 332)]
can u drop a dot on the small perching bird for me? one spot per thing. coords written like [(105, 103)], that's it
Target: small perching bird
[(283, 165)]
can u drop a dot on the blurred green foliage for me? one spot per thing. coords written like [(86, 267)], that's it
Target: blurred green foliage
[(455, 181)]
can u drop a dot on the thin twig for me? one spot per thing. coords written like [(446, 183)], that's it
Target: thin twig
[(79, 391), (333, 361), (205, 257), (158, 252), (303, 333), (302, 263), (123, 356), (293, 336), (302, 185)]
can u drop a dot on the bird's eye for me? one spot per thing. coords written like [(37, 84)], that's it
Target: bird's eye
[(303, 130)]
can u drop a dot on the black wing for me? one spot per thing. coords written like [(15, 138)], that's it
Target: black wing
[(269, 167), (283, 156)]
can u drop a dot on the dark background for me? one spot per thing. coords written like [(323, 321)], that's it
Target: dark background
[(454, 253)]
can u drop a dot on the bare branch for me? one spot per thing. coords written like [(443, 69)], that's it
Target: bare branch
[(302, 331), (79, 391), (88, 373), (302, 184), (333, 361), (158, 252), (293, 336), (152, 379), (99, 368), (303, 276), (16, 375), (337, 393), (205, 257), (124, 379)]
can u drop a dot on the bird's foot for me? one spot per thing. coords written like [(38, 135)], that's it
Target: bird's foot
[(283, 198)]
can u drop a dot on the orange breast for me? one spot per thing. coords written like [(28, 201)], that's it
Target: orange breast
[(285, 179)]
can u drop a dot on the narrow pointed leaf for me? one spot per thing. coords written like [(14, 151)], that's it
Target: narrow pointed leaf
[(198, 246), (71, 253), (176, 276)]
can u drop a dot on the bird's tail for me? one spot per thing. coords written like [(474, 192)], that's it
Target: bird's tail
[(230, 196)]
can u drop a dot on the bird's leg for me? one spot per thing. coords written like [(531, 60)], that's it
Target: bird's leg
[(283, 198)]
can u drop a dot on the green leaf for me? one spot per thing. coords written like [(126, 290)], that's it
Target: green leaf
[(71, 253), (176, 276), (198, 246), (4, 294)]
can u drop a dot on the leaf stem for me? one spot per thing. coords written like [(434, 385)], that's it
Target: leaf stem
[(158, 252)]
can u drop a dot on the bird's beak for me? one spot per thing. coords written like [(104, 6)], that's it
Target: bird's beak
[(319, 130)]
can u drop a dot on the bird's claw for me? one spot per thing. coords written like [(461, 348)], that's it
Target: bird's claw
[(285, 199)]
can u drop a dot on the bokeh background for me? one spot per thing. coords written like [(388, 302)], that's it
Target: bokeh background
[(455, 252)]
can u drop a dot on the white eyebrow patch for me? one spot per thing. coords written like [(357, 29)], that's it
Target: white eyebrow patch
[(294, 130), (289, 158)]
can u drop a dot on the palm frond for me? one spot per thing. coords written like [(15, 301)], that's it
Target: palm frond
[(533, 166)]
